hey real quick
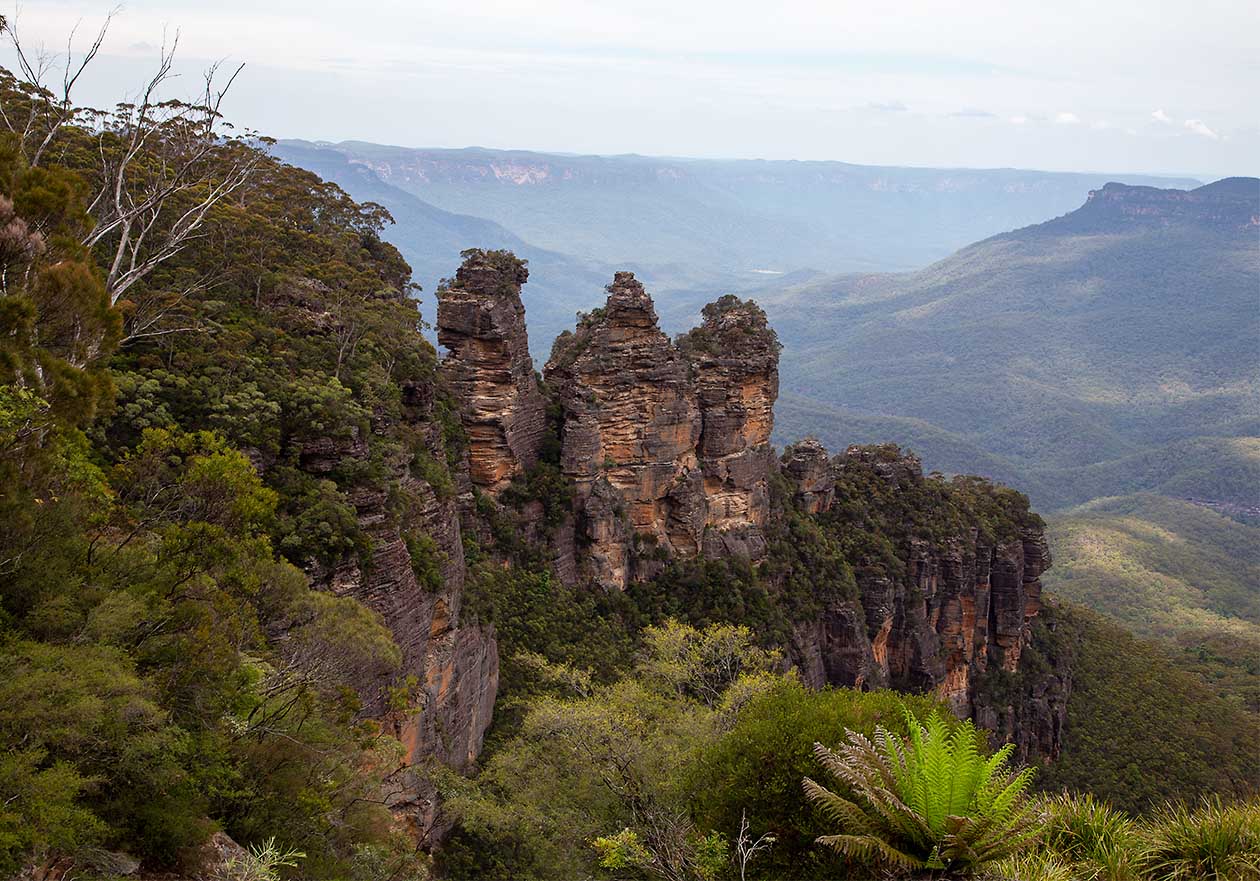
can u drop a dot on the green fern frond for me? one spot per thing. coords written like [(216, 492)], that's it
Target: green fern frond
[(844, 812), (933, 797), (867, 848)]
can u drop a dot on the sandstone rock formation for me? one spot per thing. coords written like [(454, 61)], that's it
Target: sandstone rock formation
[(481, 320), (807, 466), (668, 446), (631, 427), (1227, 204), (954, 622), (734, 358), (457, 665)]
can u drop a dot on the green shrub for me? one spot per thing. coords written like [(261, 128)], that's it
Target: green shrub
[(426, 560), (1100, 842), (755, 768)]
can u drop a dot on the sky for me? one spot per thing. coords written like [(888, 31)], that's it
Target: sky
[(1137, 86)]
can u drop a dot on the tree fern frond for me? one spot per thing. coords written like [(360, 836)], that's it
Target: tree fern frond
[(932, 797), (870, 849), (850, 817)]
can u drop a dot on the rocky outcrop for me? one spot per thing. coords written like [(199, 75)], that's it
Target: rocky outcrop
[(666, 449), (953, 616), (481, 320), (668, 446), (808, 467), (631, 428), (734, 358)]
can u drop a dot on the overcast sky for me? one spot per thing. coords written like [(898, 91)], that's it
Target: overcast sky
[(1130, 86)]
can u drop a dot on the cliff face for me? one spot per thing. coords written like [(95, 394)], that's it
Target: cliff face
[(806, 465), (734, 359), (456, 665), (667, 446), (631, 427), (953, 616), (481, 320)]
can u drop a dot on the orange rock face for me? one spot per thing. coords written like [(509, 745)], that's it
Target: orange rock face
[(734, 358), (631, 426), (668, 446), (457, 663), (481, 320), (961, 608)]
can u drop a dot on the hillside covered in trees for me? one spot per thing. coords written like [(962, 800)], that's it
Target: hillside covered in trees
[(284, 593)]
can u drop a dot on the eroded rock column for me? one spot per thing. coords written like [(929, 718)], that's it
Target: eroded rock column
[(631, 429), (481, 320), (734, 356)]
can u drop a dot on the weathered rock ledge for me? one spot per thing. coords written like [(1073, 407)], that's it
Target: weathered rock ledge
[(955, 620)]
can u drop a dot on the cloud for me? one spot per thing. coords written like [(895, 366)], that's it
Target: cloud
[(1199, 127), (1066, 118), (974, 112), (1019, 120), (887, 107), (1161, 116)]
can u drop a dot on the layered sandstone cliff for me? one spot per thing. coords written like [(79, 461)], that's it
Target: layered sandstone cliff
[(481, 321), (952, 614), (631, 427), (455, 664), (668, 446), (1228, 204), (397, 474), (734, 359)]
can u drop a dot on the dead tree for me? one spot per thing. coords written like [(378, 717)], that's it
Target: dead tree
[(159, 166)]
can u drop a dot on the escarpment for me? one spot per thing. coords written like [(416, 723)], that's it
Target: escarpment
[(414, 531)]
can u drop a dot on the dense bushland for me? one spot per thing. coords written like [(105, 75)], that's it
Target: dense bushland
[(165, 668)]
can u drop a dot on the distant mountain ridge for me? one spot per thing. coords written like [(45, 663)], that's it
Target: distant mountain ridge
[(729, 215), (1228, 204), (690, 229), (1113, 349)]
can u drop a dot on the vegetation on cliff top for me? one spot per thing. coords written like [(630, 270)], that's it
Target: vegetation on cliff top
[(164, 668)]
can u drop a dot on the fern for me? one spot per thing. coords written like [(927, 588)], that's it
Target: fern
[(932, 801)]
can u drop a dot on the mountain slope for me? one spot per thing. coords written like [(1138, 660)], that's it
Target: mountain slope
[(1074, 349), (1140, 731), (1171, 571)]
